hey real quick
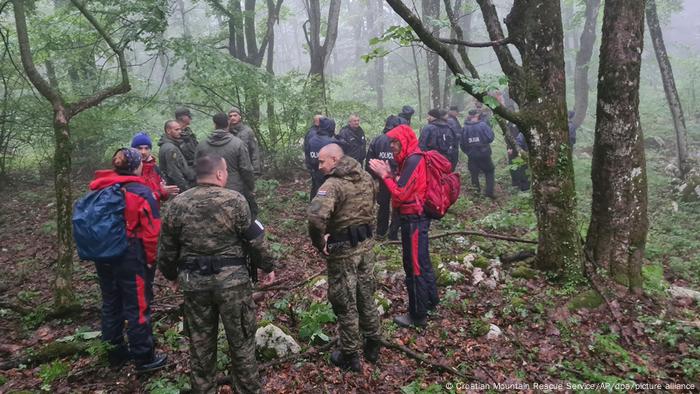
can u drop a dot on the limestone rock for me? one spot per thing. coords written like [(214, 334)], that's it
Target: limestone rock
[(683, 292), (494, 332), (271, 342), (477, 276)]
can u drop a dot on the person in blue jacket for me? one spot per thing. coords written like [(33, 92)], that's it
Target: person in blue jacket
[(477, 137), (324, 135)]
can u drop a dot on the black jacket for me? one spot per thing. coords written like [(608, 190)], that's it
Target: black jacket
[(439, 135), (353, 142)]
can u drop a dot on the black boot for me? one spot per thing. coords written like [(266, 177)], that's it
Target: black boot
[(150, 364), (347, 362), (408, 321), (371, 350)]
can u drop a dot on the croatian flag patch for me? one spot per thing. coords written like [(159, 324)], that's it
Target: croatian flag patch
[(322, 193)]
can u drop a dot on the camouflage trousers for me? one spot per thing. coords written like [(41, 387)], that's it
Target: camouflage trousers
[(236, 307), (351, 286)]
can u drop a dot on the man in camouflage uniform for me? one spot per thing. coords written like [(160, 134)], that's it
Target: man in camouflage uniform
[(188, 145), (205, 233), (246, 134), (172, 160), (340, 226)]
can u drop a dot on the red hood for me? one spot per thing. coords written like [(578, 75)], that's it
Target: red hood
[(408, 140), (106, 178)]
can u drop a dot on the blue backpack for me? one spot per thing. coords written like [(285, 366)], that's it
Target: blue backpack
[(99, 226)]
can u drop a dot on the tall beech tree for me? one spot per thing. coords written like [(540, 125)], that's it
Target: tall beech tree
[(618, 227), (674, 101), (538, 86), (319, 53), (583, 58), (63, 111)]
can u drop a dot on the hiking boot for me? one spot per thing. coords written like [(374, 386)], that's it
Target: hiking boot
[(408, 321), (156, 362), (346, 362), (371, 350)]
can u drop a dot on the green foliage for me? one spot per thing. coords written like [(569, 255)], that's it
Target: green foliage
[(418, 387), (49, 373), (163, 385), (313, 319), (654, 282), (478, 328), (485, 84), (589, 299)]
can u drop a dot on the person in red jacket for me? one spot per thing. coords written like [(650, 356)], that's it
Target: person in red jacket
[(151, 172), (408, 194), (127, 284)]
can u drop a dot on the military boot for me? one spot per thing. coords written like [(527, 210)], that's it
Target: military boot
[(155, 362), (371, 350), (408, 321), (345, 361)]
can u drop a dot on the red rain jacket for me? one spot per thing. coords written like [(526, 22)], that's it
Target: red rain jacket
[(151, 174), (408, 191), (142, 214)]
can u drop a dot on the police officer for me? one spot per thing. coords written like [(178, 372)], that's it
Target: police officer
[(324, 135), (477, 137), (439, 135), (203, 237), (340, 227), (353, 138), (172, 159), (241, 130), (380, 149), (188, 143)]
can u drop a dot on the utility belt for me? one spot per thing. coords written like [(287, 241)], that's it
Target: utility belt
[(210, 265), (352, 234)]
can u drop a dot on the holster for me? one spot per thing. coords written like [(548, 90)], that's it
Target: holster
[(353, 234)]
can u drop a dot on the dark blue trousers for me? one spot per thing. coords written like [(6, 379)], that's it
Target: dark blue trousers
[(420, 277), (384, 213), (127, 293)]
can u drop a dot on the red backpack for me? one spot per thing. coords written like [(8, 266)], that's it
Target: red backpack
[(443, 184)]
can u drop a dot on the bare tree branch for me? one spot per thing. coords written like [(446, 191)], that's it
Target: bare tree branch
[(52, 95), (455, 41), (122, 87), (493, 26)]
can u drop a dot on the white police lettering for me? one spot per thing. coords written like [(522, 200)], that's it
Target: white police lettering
[(474, 140), (386, 155), (314, 155)]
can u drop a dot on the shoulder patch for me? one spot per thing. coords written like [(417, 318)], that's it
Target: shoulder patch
[(174, 156), (322, 193)]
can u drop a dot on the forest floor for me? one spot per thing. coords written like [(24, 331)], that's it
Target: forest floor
[(554, 335)]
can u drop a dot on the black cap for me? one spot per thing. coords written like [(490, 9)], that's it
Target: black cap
[(437, 113), (182, 111)]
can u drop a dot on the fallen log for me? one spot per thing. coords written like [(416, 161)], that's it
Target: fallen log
[(464, 232)]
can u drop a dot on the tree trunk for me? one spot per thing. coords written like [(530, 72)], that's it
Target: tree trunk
[(183, 17), (63, 284), (418, 89), (669, 82), (318, 52), (539, 88), (431, 12), (618, 227), (583, 58)]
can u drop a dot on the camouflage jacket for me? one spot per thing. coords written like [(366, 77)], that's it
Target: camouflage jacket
[(188, 145), (246, 134), (173, 164), (346, 198), (208, 220)]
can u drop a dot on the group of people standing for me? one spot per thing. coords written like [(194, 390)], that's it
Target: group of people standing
[(208, 243)]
